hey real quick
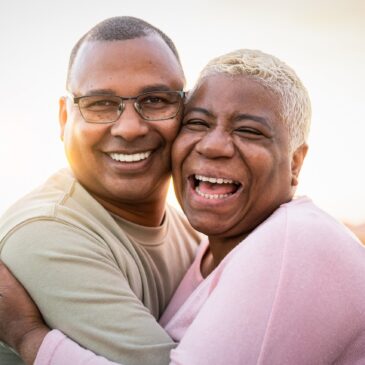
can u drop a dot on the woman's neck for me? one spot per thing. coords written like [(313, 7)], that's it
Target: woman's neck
[(218, 249)]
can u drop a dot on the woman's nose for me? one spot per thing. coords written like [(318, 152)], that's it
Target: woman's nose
[(217, 143)]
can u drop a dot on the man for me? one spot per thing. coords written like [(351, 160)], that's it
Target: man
[(97, 248)]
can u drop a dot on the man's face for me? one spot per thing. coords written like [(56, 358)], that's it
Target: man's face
[(232, 164), (125, 68)]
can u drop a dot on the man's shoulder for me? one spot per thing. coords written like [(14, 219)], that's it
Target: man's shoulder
[(60, 198), (37, 203)]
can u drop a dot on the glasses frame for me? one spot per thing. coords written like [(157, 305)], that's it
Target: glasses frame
[(181, 93)]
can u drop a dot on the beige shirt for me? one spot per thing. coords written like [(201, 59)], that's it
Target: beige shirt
[(101, 280)]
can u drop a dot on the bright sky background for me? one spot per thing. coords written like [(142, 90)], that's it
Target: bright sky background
[(323, 40)]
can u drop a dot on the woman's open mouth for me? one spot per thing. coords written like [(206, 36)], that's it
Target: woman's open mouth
[(214, 187)]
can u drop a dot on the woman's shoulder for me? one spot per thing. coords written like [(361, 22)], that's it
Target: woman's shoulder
[(301, 235)]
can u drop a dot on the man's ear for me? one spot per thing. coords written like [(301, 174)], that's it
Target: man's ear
[(62, 115), (297, 162)]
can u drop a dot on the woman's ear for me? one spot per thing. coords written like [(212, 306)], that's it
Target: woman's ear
[(297, 162)]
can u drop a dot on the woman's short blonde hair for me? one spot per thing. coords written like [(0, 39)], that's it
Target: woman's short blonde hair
[(276, 76)]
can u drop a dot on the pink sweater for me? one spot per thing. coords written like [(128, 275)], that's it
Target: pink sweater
[(293, 292)]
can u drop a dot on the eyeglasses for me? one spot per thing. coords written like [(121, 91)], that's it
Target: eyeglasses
[(152, 106)]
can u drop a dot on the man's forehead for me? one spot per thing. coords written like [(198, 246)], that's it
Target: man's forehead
[(151, 46), (146, 60)]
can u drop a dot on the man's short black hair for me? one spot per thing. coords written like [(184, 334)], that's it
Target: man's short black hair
[(119, 28)]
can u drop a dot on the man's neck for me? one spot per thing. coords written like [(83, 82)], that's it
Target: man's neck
[(149, 214)]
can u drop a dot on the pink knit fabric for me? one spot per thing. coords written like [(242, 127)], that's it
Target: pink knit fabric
[(293, 292)]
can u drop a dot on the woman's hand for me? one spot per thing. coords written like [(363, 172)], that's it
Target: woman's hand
[(21, 324)]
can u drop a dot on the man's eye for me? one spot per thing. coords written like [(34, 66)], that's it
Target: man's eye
[(102, 104), (154, 100)]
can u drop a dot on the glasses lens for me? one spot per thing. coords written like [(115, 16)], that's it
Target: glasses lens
[(159, 105), (100, 109)]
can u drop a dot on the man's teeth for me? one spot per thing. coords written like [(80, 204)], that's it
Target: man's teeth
[(214, 180), (130, 157), (211, 196)]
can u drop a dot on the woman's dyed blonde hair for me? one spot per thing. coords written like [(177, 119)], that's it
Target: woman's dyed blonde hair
[(276, 76)]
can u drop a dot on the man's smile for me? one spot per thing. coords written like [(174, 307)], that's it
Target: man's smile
[(133, 157)]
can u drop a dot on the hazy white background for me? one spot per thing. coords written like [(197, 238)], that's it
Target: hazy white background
[(323, 40)]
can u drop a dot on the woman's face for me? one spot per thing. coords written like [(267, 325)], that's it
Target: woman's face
[(232, 164)]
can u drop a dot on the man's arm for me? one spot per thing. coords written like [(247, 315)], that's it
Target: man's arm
[(22, 328), (79, 288), (21, 324)]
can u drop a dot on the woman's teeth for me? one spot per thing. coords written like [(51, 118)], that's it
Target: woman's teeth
[(211, 196), (214, 180), (215, 188)]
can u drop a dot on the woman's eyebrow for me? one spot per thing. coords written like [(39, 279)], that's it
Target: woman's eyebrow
[(239, 117), (199, 110), (255, 118)]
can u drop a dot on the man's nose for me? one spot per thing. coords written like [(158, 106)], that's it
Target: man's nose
[(218, 143), (130, 124)]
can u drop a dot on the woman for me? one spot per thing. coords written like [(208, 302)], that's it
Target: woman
[(278, 280)]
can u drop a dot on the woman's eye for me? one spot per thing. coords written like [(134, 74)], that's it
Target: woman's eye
[(249, 131), (195, 124)]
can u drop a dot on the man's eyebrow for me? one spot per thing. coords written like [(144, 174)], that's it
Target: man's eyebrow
[(156, 87), (101, 92), (147, 88)]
